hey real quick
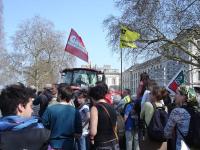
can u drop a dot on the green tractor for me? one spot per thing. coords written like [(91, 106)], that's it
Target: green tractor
[(81, 77)]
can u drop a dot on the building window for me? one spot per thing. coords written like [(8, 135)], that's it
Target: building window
[(106, 80), (113, 81), (199, 75)]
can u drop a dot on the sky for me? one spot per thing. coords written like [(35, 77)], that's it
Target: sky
[(84, 16)]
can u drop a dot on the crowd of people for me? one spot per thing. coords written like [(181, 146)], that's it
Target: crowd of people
[(98, 118)]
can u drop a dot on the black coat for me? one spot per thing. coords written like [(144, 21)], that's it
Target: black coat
[(29, 138)]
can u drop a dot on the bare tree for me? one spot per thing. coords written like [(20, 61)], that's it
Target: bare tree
[(1, 25), (39, 52), (167, 27), (6, 76)]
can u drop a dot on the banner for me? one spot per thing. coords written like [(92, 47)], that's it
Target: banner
[(76, 47), (176, 81), (127, 38)]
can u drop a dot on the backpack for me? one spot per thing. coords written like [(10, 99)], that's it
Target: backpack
[(157, 124), (193, 137), (120, 126)]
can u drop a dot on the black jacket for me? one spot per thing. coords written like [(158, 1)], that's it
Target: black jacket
[(22, 134)]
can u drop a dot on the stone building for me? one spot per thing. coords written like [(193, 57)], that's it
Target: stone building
[(159, 69), (163, 70), (112, 76)]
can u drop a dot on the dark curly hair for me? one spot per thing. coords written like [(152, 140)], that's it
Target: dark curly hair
[(98, 92), (13, 95)]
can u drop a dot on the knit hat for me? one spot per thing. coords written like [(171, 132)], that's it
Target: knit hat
[(190, 93)]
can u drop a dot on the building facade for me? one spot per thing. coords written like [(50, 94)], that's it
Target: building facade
[(112, 76), (161, 70)]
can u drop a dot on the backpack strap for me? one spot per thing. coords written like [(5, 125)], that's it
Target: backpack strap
[(180, 133), (157, 107), (113, 127), (184, 138)]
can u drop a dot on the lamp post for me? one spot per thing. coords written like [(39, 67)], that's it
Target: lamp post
[(131, 80)]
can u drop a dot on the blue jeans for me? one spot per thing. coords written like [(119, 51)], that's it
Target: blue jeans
[(82, 143), (132, 140)]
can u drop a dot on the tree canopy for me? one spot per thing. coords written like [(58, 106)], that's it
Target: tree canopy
[(167, 28), (39, 52)]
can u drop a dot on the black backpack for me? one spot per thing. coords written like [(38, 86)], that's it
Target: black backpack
[(157, 124), (193, 137)]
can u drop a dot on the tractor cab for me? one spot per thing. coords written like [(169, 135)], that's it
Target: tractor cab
[(82, 77)]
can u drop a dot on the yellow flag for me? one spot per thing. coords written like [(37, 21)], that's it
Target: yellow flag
[(127, 38)]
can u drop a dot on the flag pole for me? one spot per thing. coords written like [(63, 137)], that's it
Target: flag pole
[(121, 69)]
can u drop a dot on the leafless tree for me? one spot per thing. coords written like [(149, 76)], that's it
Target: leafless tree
[(1, 25), (167, 27), (6, 76), (39, 52)]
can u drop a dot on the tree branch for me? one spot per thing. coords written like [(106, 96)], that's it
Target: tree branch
[(188, 6), (176, 58)]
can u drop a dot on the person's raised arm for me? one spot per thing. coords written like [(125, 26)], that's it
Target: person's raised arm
[(93, 123)]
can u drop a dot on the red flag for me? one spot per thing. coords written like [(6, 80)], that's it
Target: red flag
[(76, 47)]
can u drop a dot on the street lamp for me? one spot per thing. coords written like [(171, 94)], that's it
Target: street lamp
[(131, 80)]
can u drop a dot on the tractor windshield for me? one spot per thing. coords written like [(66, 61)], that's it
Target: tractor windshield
[(84, 77), (81, 77)]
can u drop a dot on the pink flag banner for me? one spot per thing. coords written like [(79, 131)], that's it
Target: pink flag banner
[(76, 47)]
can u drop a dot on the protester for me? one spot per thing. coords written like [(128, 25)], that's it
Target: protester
[(54, 92), (147, 114), (18, 130), (143, 84), (144, 78), (166, 97), (131, 124), (36, 108), (108, 97), (43, 100), (102, 121), (63, 120), (146, 95), (120, 122), (126, 99), (179, 119), (85, 117)]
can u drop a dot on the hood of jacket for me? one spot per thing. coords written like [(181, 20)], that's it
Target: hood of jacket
[(13, 123)]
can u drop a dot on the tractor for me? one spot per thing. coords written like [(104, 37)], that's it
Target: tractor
[(81, 77)]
